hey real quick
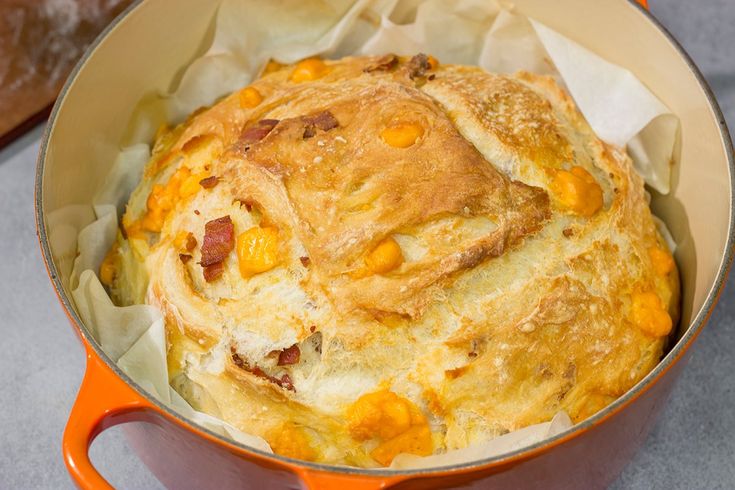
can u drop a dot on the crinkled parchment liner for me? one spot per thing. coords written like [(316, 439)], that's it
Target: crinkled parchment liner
[(248, 33)]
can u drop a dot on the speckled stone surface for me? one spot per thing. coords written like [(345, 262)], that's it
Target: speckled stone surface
[(692, 446)]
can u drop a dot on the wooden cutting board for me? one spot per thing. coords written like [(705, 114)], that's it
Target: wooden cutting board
[(40, 42)]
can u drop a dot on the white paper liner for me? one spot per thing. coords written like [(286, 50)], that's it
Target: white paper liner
[(249, 33)]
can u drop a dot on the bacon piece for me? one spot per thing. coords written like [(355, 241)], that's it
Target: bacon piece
[(209, 182), (248, 203), (185, 258), (239, 361), (191, 242), (253, 134), (289, 356), (324, 120), (305, 261), (385, 63), (219, 240), (418, 66), (214, 271), (271, 123), (284, 381), (309, 132)]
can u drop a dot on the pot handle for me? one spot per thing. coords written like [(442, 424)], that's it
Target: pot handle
[(104, 400), (320, 480)]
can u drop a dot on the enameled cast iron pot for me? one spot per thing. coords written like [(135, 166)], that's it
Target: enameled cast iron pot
[(144, 50)]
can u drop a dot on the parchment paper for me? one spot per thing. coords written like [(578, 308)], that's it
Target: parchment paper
[(249, 33)]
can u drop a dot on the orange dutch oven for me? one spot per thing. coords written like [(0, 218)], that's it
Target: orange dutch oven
[(140, 53)]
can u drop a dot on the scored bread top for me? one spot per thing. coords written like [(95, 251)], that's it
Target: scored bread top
[(377, 255)]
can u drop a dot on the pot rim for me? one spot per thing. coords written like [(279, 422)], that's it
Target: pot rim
[(673, 356)]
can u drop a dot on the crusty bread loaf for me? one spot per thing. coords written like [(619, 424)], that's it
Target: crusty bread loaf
[(377, 255)]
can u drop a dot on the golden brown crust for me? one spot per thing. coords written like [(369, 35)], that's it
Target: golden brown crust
[(375, 190), (505, 306)]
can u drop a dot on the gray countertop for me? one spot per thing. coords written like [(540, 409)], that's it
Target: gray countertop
[(692, 446)]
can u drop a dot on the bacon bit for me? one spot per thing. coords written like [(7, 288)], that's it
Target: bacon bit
[(289, 356), (324, 120), (385, 63), (196, 211), (567, 232), (309, 132), (312, 328), (214, 271), (431, 77), (185, 258), (284, 381), (305, 261), (418, 66), (209, 182), (248, 203), (191, 242), (239, 362), (472, 354), (219, 240), (256, 133)]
